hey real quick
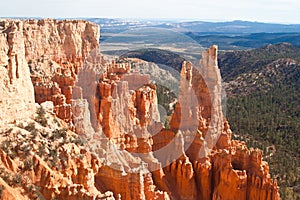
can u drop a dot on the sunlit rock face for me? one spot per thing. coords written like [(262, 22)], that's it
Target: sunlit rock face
[(16, 90), (211, 165), (128, 153)]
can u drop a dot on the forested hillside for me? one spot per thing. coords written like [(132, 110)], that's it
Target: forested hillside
[(264, 107)]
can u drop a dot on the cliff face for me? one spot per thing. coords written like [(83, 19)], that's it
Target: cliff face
[(16, 91), (66, 39), (128, 154), (55, 51)]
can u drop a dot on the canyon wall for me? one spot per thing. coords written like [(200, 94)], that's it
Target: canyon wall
[(125, 151), (16, 90), (55, 52)]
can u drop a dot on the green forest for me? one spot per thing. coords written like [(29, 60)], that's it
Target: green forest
[(271, 121), (268, 119)]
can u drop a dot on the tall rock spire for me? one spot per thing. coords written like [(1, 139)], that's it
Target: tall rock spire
[(210, 72)]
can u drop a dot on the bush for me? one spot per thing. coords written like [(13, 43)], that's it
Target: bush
[(41, 116), (35, 192), (26, 149), (78, 141), (57, 122), (53, 153), (4, 174), (17, 180), (34, 133), (59, 133), (38, 194), (2, 188), (5, 146), (41, 151), (13, 153), (28, 163), (30, 127)]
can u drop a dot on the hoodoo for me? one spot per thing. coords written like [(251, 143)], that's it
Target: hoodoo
[(76, 126)]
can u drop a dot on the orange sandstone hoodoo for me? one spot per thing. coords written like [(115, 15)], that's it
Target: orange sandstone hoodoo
[(129, 155)]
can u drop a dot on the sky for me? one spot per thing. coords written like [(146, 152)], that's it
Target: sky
[(279, 11)]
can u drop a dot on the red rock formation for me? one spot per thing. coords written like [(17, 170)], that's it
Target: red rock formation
[(58, 51), (203, 176), (128, 185), (125, 102), (116, 109), (201, 161), (7, 161), (218, 168), (76, 179), (10, 193), (16, 91)]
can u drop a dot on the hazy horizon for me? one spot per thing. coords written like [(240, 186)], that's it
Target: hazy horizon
[(267, 11), (149, 19)]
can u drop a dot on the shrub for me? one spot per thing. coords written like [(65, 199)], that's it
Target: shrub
[(2, 170), (53, 153), (30, 127), (5, 146), (41, 151), (38, 194), (34, 133), (31, 188), (17, 180), (4, 175), (28, 163), (59, 133), (78, 141), (13, 153), (57, 122), (20, 125), (1, 190), (41, 116), (26, 149)]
